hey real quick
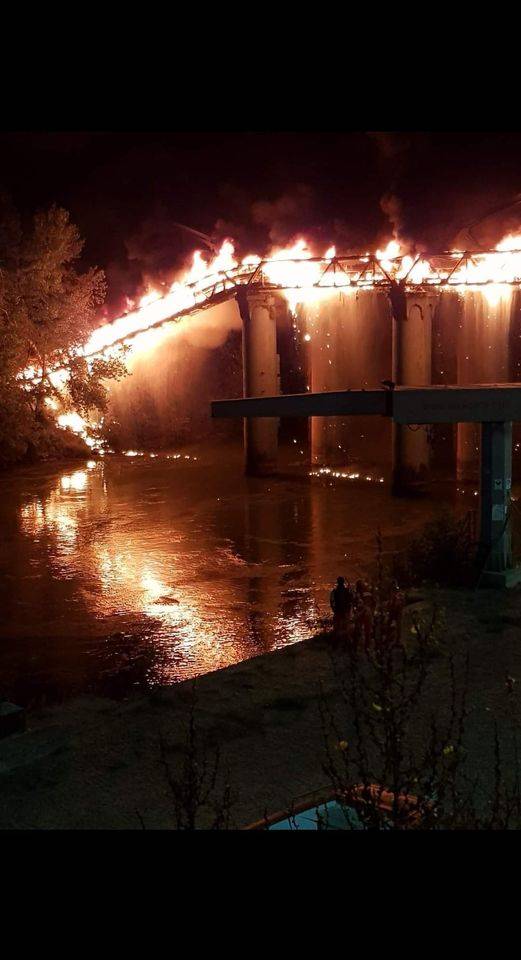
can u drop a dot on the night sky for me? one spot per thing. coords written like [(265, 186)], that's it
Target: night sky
[(125, 190)]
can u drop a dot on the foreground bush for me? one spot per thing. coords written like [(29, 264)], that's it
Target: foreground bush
[(398, 755)]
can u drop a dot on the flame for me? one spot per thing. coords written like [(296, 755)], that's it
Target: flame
[(192, 288), (340, 474), (304, 277), (76, 423), (387, 256), (296, 268)]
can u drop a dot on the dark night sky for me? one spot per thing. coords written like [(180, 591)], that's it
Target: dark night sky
[(124, 190)]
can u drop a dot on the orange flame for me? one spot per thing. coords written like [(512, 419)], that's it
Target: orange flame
[(304, 277)]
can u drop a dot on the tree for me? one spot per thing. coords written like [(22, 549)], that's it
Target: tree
[(48, 309)]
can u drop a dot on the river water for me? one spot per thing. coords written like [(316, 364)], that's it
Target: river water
[(129, 571)]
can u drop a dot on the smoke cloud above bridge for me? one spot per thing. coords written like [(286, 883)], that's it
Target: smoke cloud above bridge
[(355, 190)]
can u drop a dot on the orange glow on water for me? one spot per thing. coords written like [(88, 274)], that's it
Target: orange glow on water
[(150, 575)]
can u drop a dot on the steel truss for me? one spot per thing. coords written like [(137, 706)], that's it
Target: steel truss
[(448, 270)]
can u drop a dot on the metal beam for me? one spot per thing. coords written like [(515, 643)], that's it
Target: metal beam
[(336, 403), (495, 406), (469, 404), (414, 405)]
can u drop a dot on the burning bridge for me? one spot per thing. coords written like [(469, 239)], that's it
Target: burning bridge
[(410, 300), (305, 276)]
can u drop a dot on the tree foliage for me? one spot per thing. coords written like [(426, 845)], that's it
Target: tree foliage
[(48, 308)]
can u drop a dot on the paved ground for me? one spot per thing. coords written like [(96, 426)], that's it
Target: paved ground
[(96, 763)]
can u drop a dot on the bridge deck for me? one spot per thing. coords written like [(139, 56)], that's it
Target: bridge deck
[(447, 270)]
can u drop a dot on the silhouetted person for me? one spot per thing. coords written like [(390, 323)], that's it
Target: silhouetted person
[(341, 600)]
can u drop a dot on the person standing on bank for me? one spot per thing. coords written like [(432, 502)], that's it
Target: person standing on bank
[(341, 600)]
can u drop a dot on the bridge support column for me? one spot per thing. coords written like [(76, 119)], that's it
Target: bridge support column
[(411, 367), (496, 483), (260, 364), (468, 363), (467, 444), (321, 380), (483, 356)]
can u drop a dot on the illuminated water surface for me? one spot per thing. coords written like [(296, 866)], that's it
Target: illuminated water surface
[(140, 570)]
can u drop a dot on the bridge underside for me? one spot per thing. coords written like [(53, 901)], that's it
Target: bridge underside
[(495, 407), (405, 313)]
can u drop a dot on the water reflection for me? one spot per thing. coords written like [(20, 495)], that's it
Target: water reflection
[(158, 569), (53, 514), (150, 552)]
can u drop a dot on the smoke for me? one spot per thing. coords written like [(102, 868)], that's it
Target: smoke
[(124, 280), (302, 211), (393, 208), (210, 328), (495, 222), (176, 371), (285, 216), (392, 157), (448, 190), (156, 250), (353, 191), (395, 151)]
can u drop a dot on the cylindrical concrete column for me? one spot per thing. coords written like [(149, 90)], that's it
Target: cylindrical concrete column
[(467, 437), (322, 379), (411, 367), (483, 357), (260, 378), (496, 483), (327, 325), (445, 324)]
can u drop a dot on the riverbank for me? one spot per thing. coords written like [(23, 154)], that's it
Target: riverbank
[(96, 763)]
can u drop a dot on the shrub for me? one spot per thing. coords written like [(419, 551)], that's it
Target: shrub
[(444, 553), (398, 755)]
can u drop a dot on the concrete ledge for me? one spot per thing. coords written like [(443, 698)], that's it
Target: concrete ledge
[(501, 579)]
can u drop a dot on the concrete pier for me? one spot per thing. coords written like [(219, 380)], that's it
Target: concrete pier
[(468, 354), (327, 438), (496, 484), (260, 378), (411, 367), (483, 357), (350, 347)]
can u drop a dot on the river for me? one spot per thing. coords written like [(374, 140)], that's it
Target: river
[(125, 572)]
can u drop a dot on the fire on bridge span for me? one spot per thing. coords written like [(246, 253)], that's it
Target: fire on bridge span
[(303, 276), (299, 274), (409, 285)]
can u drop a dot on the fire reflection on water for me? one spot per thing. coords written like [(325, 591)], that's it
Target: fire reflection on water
[(142, 567), (135, 581)]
